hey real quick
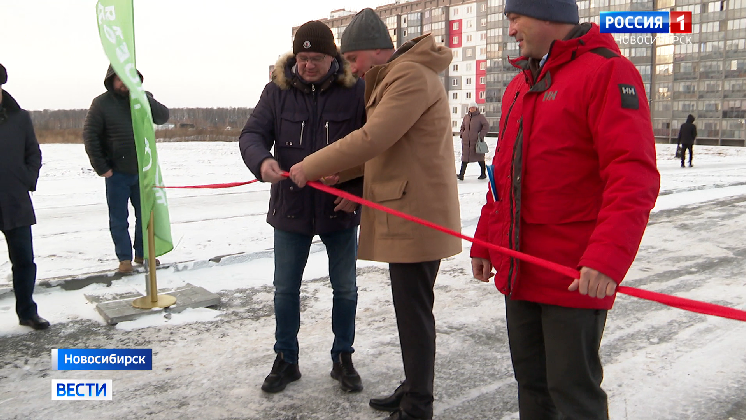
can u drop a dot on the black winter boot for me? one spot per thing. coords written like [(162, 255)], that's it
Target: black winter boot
[(345, 373), (282, 374), (460, 176), (483, 166)]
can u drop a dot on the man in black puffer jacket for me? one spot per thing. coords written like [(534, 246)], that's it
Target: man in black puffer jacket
[(20, 161), (110, 144), (312, 101)]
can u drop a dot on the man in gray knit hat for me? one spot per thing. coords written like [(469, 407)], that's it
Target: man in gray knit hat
[(406, 147), (585, 204), (366, 42)]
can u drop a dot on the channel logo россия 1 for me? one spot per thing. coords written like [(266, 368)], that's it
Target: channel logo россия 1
[(646, 22)]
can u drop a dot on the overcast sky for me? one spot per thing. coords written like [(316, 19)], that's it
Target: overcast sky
[(207, 53)]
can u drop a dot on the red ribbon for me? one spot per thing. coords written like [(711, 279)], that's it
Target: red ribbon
[(673, 301), (213, 186)]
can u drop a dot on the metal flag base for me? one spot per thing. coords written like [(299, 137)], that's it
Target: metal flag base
[(145, 302), (152, 299)]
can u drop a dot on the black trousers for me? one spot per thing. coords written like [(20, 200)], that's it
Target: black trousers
[(684, 147), (482, 165), (21, 253), (412, 288), (556, 361)]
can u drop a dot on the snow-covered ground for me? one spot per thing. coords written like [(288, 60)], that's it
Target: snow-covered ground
[(660, 363)]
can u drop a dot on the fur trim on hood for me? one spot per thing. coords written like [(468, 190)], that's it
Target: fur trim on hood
[(279, 77)]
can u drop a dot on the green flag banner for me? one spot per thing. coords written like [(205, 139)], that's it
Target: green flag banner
[(117, 32)]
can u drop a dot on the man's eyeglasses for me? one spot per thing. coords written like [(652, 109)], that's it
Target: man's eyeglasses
[(314, 59)]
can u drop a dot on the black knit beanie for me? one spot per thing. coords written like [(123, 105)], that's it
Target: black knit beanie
[(3, 75), (366, 31), (562, 11), (314, 36)]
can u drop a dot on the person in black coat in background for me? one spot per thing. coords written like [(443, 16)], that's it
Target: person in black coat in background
[(687, 135), (20, 161), (110, 144)]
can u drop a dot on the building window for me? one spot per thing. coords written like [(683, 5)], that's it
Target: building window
[(483, 65), (470, 23), (468, 80), (468, 66), (455, 67), (468, 38), (484, 7), (469, 9), (404, 32), (482, 51), (454, 82), (455, 95), (455, 12), (483, 36), (454, 123), (481, 95), (456, 53), (469, 52), (482, 80), (468, 95), (455, 26), (455, 110), (403, 20), (483, 22), (455, 40)]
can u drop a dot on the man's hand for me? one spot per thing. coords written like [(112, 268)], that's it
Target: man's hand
[(298, 175), (108, 173), (345, 205), (482, 269), (593, 283), (330, 180), (270, 171)]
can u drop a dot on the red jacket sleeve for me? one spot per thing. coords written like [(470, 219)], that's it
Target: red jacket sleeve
[(619, 119)]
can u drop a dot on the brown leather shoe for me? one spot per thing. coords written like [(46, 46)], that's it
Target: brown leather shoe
[(125, 267)]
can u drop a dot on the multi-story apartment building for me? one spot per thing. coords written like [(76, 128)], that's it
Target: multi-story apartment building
[(703, 74)]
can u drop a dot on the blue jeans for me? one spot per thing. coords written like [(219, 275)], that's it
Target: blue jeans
[(21, 254), (122, 188), (291, 255)]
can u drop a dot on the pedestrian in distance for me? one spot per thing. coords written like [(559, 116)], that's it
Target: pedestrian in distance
[(687, 135), (473, 130)]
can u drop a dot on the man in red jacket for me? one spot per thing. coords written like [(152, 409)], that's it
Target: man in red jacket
[(575, 180)]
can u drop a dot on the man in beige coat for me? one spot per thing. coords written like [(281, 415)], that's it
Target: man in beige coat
[(406, 147)]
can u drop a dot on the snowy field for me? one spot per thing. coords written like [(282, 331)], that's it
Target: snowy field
[(660, 363)]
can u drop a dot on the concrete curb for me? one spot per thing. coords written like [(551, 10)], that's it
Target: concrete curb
[(77, 282)]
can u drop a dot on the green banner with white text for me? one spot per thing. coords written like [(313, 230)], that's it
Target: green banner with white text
[(117, 31)]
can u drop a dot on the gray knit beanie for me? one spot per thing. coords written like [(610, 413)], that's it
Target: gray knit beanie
[(562, 11), (3, 75), (366, 31)]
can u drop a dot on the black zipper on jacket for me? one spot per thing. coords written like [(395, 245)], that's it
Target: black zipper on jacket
[(505, 126), (515, 217)]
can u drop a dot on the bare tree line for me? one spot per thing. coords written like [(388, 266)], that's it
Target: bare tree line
[(213, 124)]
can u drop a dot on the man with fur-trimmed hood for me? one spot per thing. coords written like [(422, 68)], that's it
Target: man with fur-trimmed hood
[(312, 101)]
